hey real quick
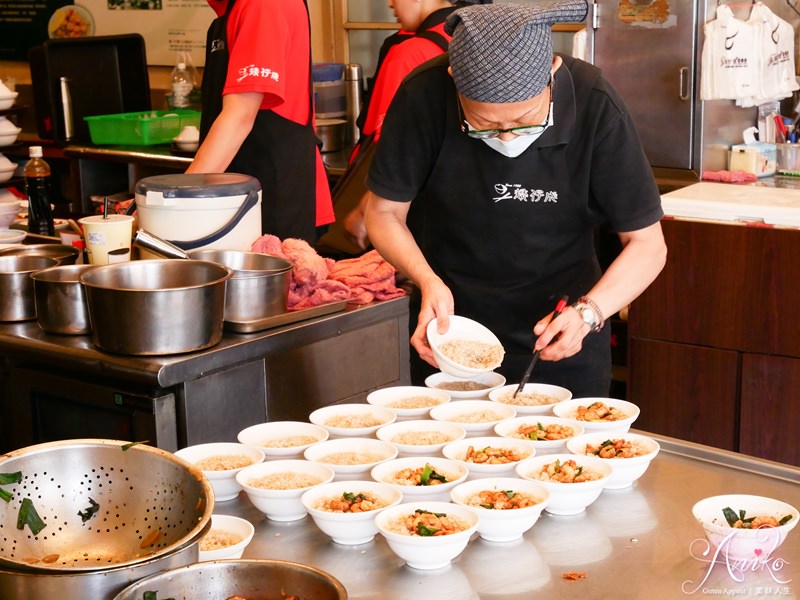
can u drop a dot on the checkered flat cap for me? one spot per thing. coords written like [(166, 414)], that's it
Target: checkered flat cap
[(503, 52)]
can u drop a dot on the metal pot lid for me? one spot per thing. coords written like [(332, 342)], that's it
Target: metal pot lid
[(198, 185)]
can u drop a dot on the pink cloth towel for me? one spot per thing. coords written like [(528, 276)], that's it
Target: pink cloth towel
[(729, 176), (317, 280)]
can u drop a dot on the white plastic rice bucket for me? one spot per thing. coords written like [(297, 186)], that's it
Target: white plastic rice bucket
[(201, 210)]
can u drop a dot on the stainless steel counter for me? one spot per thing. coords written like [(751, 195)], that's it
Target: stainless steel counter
[(640, 543)]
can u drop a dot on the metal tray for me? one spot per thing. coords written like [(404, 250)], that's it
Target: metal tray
[(284, 318)]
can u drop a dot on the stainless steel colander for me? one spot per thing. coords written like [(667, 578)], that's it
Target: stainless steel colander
[(105, 504)]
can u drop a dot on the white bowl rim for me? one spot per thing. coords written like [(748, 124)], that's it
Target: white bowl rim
[(466, 406), (357, 408), (280, 432), (314, 452), (717, 503), (447, 365), (285, 464), (545, 420), (407, 462), (375, 397), (433, 506), (482, 442), (458, 495), (420, 425), (594, 436), (224, 522), (431, 382), (495, 394), (250, 450), (573, 403), (598, 464), (334, 488)]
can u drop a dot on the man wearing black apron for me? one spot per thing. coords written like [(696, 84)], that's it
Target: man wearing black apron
[(515, 156), (281, 153)]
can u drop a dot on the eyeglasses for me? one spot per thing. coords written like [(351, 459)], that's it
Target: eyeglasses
[(482, 134)]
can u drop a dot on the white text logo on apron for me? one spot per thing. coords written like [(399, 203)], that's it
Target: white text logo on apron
[(261, 72), (217, 45), (515, 191)]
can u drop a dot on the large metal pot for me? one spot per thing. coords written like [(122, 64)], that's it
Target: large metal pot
[(113, 513), (16, 285), (214, 580), (151, 307), (259, 287), (60, 299)]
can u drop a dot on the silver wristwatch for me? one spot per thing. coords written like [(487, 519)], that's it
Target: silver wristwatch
[(590, 313)]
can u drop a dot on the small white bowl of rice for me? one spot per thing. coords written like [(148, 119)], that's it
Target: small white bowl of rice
[(283, 439), (421, 477), (629, 454), (546, 433), (220, 462), (353, 419), (462, 389), (533, 398), (478, 417), (489, 456), (345, 511), (420, 436), (466, 349), (408, 401), (574, 481), (351, 458), (227, 538), (427, 535), (275, 487), (507, 506)]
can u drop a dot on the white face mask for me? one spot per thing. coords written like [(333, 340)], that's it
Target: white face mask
[(519, 144)]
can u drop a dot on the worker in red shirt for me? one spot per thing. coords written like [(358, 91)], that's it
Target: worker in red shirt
[(425, 18), (258, 113)]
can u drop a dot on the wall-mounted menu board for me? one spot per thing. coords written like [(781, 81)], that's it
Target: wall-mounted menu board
[(168, 26)]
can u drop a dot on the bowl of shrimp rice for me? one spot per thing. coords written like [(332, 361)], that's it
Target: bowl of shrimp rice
[(345, 511), (744, 527), (599, 414), (629, 454), (574, 481), (546, 433), (489, 456), (427, 535), (507, 506)]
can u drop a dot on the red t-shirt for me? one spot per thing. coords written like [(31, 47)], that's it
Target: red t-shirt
[(399, 62), (268, 48)]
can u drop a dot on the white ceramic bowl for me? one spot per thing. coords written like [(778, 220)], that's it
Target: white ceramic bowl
[(226, 527), (187, 145), (541, 423), (12, 236), (222, 480), (526, 403), (7, 219), (401, 434), (367, 451), (458, 451), (334, 416), (282, 504), (568, 410), (408, 401), (7, 172), (453, 471), (744, 544), (283, 439), (461, 329), (624, 470), (7, 100), (502, 525), (9, 135), (427, 552), (465, 413), (348, 528), (568, 498), (485, 383)]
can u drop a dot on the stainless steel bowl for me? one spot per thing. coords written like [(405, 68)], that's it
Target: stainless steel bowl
[(60, 299), (16, 286), (214, 580), (151, 307), (65, 255)]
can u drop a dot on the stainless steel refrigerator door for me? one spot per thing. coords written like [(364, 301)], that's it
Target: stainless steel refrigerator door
[(648, 51)]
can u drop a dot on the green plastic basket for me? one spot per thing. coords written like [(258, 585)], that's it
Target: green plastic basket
[(140, 128)]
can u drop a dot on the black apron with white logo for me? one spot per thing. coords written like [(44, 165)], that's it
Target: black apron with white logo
[(280, 153), (510, 237)]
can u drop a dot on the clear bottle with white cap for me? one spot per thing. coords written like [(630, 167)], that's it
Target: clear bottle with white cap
[(38, 189), (182, 85)]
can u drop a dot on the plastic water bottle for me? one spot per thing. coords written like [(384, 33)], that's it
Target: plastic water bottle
[(182, 86), (38, 189)]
